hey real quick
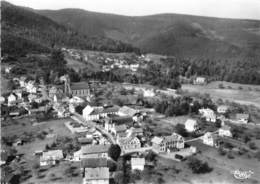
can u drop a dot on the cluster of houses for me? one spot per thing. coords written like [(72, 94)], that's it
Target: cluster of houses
[(210, 138)]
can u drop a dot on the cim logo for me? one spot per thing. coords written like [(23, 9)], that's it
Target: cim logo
[(241, 175)]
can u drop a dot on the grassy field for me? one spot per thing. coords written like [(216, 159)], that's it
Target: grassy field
[(247, 94), (172, 172)]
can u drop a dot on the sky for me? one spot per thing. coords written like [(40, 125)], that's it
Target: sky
[(246, 9)]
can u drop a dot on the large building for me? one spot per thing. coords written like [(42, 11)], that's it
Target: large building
[(168, 143), (81, 89)]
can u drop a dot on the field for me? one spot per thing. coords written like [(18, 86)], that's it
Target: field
[(172, 172), (247, 94)]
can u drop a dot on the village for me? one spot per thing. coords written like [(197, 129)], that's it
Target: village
[(94, 133)]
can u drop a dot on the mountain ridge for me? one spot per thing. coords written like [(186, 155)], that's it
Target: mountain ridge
[(148, 31), (36, 29)]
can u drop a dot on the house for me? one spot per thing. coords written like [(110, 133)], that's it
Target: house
[(95, 113), (137, 163), (118, 129), (30, 87), (168, 143), (61, 110), (157, 144), (11, 99), (135, 132), (225, 131), (92, 151), (76, 100), (191, 125), (129, 143), (22, 81), (199, 81), (51, 157), (99, 175), (208, 114), (80, 89), (2, 99), (85, 140), (32, 97), (127, 111), (148, 93), (208, 139), (93, 163), (174, 141), (222, 109), (242, 118)]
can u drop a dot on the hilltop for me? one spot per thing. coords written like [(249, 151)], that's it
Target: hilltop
[(24, 30), (171, 34)]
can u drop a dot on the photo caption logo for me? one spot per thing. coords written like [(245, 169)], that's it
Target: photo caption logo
[(240, 174)]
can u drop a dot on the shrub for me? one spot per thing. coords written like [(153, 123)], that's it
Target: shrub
[(221, 86), (230, 155), (252, 146), (222, 151), (199, 167)]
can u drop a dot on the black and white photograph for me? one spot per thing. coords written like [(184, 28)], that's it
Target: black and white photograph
[(130, 92)]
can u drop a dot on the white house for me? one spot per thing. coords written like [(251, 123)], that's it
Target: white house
[(2, 99), (225, 131), (11, 99), (242, 118), (148, 93), (200, 81), (129, 143), (98, 175), (51, 157), (127, 111), (191, 125), (208, 114), (30, 87), (168, 143), (208, 139), (222, 109), (95, 113), (137, 163)]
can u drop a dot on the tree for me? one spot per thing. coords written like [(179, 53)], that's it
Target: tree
[(114, 151), (119, 177), (180, 129), (199, 167)]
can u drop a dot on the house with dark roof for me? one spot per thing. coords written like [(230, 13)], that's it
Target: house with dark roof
[(92, 151), (80, 89), (129, 143), (118, 129)]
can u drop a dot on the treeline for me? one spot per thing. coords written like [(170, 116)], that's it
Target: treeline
[(182, 105), (23, 24), (245, 71)]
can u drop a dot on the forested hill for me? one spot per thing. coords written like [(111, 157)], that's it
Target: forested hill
[(24, 31), (171, 34)]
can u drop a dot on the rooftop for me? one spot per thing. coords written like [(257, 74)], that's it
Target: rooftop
[(79, 85), (157, 140), (99, 173), (93, 162), (242, 116), (137, 161), (94, 149)]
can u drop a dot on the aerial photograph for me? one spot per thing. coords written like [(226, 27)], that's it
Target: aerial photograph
[(130, 92)]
